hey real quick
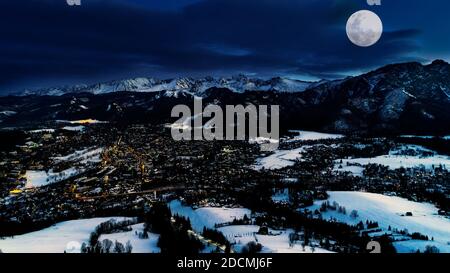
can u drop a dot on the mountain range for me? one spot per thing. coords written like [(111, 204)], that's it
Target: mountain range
[(400, 98), (239, 83)]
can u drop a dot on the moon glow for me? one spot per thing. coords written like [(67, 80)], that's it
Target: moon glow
[(364, 28)]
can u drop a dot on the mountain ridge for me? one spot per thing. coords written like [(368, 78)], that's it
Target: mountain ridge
[(408, 98), (198, 86)]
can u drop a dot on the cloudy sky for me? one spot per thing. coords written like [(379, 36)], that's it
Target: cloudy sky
[(46, 42)]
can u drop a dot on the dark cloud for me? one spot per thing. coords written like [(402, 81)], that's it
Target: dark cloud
[(47, 42)]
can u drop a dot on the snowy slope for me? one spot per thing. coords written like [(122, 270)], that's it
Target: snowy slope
[(279, 159), (397, 158), (411, 246), (41, 178), (396, 162), (309, 135), (80, 159), (79, 128), (54, 239), (139, 245), (240, 235), (285, 158), (207, 216), (89, 155), (388, 211)]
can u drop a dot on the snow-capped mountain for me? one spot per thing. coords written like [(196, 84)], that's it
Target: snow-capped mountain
[(238, 84), (406, 98), (397, 95)]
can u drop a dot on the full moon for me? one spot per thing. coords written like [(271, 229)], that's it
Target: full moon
[(364, 28)]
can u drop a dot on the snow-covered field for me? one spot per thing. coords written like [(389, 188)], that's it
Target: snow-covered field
[(208, 216), (396, 162), (80, 157), (263, 140), (285, 158), (79, 128), (90, 155), (280, 159), (389, 211), (355, 170), (37, 131), (396, 159), (276, 243), (411, 246), (42, 178), (424, 137), (139, 245), (309, 135), (55, 239)]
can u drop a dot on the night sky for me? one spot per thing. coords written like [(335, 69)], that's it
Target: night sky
[(48, 43)]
